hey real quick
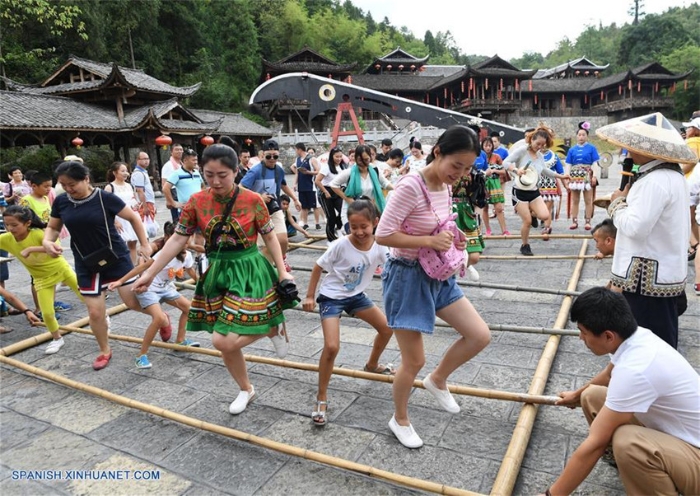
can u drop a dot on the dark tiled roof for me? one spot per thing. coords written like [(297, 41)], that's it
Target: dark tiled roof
[(579, 63), (26, 111), (495, 62), (106, 73), (392, 83), (558, 85), (314, 67), (233, 124), (304, 53), (440, 70)]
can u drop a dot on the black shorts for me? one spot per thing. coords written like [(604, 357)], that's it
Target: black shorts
[(307, 199), (92, 284), (520, 195)]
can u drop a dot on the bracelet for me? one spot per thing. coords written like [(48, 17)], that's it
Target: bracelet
[(27, 310)]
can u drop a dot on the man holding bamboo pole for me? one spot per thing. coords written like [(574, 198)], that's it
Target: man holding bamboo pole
[(645, 403)]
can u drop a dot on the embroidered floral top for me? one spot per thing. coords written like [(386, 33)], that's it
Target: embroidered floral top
[(249, 217)]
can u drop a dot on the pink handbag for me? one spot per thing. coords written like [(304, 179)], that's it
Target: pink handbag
[(440, 265)]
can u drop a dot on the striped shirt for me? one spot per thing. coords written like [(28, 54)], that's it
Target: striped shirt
[(408, 203)]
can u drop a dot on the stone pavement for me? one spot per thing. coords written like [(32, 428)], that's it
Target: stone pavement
[(50, 427)]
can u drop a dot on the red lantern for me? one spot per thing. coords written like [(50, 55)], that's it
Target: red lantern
[(501, 84), (207, 140), (585, 98), (77, 142), (596, 73), (535, 99), (657, 86), (529, 84), (267, 76), (629, 85), (487, 83), (578, 72), (377, 66), (401, 67), (639, 86), (517, 85), (248, 141), (388, 67), (587, 73), (602, 96), (462, 85), (349, 79), (164, 141), (413, 67)]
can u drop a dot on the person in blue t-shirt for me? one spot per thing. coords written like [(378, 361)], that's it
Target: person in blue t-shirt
[(580, 161), (186, 180), (267, 179), (498, 148), (307, 168)]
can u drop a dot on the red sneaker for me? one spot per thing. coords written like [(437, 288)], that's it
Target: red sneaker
[(697, 289), (101, 361), (166, 331), (287, 267)]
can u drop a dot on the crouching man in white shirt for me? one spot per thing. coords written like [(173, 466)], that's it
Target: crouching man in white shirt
[(645, 403)]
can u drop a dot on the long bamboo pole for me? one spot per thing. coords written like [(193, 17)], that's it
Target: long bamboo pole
[(513, 459), (442, 323), (482, 257), (42, 338), (287, 449), (538, 236), (357, 374), (489, 285)]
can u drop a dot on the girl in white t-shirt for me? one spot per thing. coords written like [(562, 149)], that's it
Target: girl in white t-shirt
[(350, 263)]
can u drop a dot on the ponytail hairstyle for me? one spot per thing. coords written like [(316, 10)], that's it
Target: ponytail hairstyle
[(541, 131), (24, 215), (457, 139), (364, 206), (168, 231), (113, 169)]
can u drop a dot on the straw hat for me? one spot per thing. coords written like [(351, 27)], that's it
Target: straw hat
[(650, 135)]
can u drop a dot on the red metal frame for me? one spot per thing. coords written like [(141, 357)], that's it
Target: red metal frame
[(357, 131)]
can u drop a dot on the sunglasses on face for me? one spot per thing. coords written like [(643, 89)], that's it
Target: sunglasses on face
[(268, 157)]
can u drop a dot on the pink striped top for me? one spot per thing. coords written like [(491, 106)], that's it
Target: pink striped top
[(408, 202)]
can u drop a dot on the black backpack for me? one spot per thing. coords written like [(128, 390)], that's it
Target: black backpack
[(478, 194)]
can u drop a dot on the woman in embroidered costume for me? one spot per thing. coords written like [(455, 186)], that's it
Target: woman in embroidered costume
[(496, 178), (652, 217), (549, 187), (580, 160), (235, 300), (467, 220)]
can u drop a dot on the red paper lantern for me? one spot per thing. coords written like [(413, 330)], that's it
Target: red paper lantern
[(388, 67), (413, 67), (77, 142), (267, 76), (587, 73), (377, 66), (602, 95), (349, 79), (462, 85), (164, 141), (207, 140), (487, 83), (401, 67), (596, 73), (578, 72), (639, 86), (248, 141)]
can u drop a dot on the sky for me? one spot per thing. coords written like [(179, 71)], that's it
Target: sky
[(507, 27)]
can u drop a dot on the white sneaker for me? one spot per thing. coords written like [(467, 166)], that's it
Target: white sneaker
[(443, 396), (241, 401), (472, 274), (281, 343), (406, 435), (54, 346)]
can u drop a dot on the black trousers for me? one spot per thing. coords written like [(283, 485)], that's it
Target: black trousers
[(659, 315), (331, 207)]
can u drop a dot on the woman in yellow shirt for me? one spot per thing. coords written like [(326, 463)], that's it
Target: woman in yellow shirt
[(23, 239)]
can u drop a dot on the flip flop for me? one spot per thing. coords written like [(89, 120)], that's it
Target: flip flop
[(381, 369), (5, 330)]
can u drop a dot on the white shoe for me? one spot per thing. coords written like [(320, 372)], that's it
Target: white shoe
[(472, 274), (443, 396), (54, 346), (281, 343), (241, 401), (406, 435), (109, 325)]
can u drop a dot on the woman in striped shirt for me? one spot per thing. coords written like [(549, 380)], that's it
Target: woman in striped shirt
[(411, 298)]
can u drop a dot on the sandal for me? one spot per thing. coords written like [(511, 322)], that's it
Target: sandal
[(574, 224), (692, 251), (318, 416), (587, 227), (546, 232), (5, 330), (381, 369), (14, 311)]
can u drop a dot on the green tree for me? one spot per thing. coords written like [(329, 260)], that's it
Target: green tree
[(683, 59), (635, 11), (654, 36)]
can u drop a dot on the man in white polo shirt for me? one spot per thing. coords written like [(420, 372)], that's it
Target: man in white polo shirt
[(646, 403)]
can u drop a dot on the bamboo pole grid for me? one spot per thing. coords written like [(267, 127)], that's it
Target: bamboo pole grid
[(512, 461)]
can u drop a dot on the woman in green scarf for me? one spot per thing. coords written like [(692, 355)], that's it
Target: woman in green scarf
[(361, 180)]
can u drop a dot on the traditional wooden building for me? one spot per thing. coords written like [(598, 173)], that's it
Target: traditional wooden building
[(106, 104)]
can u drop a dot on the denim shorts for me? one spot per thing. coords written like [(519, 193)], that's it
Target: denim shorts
[(411, 298), (168, 293), (331, 309)]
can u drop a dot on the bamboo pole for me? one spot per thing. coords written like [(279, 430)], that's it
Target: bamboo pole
[(286, 449), (488, 285), (442, 323), (356, 374), (42, 338), (538, 236), (513, 459), (482, 257)]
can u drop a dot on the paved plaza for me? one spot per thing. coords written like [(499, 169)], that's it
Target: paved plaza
[(50, 427)]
